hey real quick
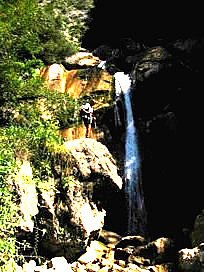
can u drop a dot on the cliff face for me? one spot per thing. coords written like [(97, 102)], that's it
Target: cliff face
[(166, 98), (83, 78)]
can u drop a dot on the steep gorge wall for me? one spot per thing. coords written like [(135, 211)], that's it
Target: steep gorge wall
[(167, 110)]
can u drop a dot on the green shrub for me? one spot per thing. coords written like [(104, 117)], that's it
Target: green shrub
[(22, 142), (9, 219)]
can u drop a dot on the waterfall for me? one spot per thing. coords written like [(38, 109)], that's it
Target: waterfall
[(133, 183)]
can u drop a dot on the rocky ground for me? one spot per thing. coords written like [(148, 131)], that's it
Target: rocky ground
[(128, 254)]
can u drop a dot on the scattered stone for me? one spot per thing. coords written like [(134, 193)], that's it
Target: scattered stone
[(60, 264), (109, 238), (123, 253), (162, 268), (189, 259), (92, 267), (95, 251), (29, 267), (121, 263), (134, 267), (134, 241), (151, 257), (89, 256), (138, 260), (41, 268), (159, 251), (104, 269)]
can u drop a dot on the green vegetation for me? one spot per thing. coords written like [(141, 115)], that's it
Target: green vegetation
[(33, 33)]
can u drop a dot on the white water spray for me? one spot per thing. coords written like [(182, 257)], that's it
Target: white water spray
[(133, 188)]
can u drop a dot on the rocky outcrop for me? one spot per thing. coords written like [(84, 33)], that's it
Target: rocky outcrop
[(76, 82), (71, 207)]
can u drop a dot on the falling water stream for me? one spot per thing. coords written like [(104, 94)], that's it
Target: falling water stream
[(133, 183)]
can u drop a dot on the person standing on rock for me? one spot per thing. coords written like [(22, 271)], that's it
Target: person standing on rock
[(87, 116)]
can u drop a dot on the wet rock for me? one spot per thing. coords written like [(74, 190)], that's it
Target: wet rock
[(136, 250), (126, 246), (189, 259), (109, 238), (134, 241), (197, 235), (159, 251)]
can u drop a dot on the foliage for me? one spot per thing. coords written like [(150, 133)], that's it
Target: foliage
[(8, 207), (22, 142), (64, 108), (33, 33)]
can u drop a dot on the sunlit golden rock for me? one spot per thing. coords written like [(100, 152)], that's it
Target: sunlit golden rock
[(55, 76), (93, 252), (76, 82), (83, 57)]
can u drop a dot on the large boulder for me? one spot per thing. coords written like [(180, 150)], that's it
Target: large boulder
[(191, 259), (73, 207), (197, 235), (136, 250)]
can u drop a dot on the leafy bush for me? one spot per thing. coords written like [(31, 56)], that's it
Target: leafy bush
[(22, 142), (33, 33), (8, 207)]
